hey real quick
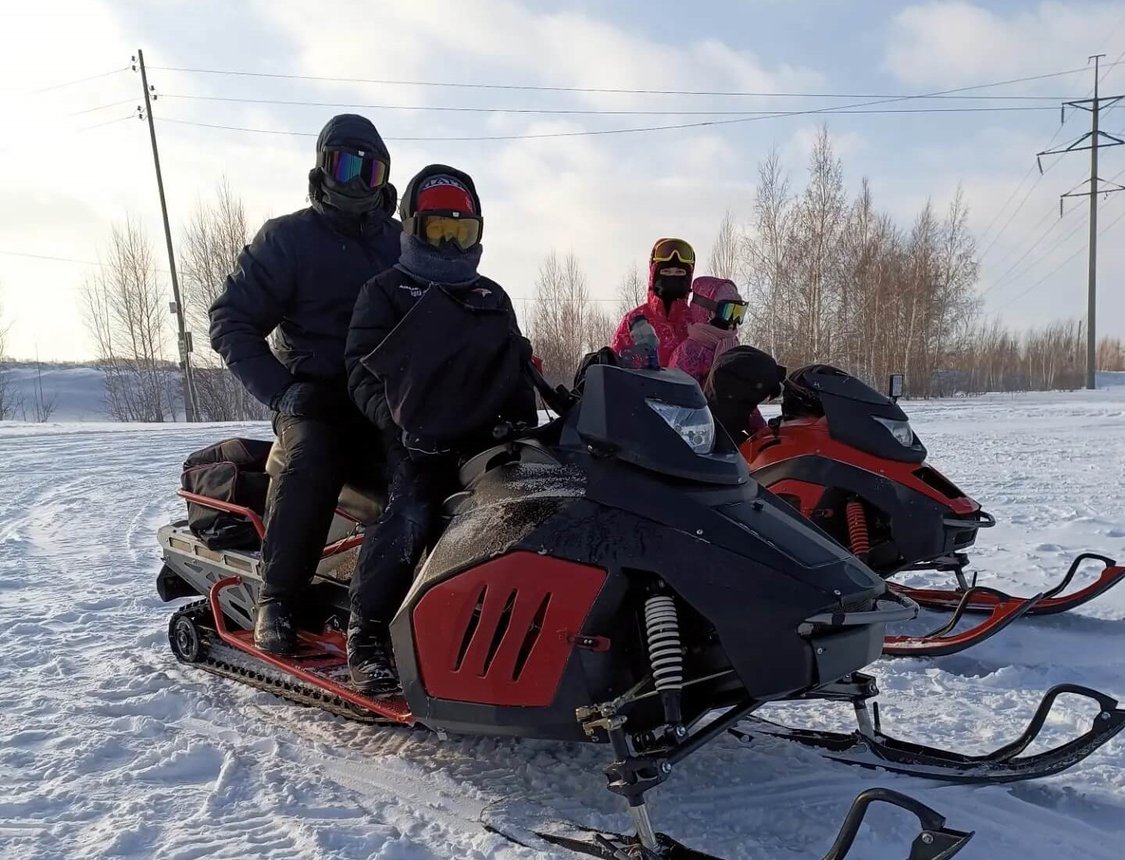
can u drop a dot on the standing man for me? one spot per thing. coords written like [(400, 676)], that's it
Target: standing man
[(301, 276)]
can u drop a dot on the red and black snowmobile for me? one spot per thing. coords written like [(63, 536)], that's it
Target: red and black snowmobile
[(614, 576), (846, 457)]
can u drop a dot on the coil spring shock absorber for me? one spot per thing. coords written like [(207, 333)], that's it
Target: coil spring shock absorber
[(857, 529), (662, 630)]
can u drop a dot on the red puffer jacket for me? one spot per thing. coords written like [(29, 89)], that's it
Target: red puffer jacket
[(670, 327)]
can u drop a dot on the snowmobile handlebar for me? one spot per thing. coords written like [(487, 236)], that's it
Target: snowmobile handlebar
[(557, 399)]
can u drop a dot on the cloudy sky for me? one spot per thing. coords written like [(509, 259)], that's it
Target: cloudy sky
[(71, 163)]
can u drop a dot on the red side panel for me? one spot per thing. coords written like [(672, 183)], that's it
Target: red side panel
[(497, 634), (809, 436), (802, 495)]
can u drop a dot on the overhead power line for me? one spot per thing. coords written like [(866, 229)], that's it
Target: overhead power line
[(1060, 266), (77, 81), (56, 259), (597, 90), (569, 111)]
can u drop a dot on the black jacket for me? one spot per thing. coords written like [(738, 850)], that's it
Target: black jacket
[(432, 359), (301, 275)]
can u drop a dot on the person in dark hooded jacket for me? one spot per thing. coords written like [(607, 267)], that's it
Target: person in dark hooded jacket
[(437, 362), (300, 276)]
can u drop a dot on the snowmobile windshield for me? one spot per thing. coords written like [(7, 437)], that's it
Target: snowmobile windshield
[(657, 420)]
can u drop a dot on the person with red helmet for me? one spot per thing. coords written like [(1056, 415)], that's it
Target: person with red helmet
[(670, 267), (437, 362)]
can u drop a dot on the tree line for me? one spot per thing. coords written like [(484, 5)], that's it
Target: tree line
[(828, 278)]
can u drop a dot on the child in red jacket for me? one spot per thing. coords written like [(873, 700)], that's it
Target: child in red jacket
[(670, 267)]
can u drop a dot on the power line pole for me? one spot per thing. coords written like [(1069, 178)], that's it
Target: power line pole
[(1094, 136), (184, 337)]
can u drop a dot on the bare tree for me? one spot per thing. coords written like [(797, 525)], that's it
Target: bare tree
[(632, 291), (125, 313), (210, 247), (565, 322), (10, 401), (44, 405), (725, 259), (1111, 354)]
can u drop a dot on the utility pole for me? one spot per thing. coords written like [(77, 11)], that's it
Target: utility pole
[(1095, 137), (184, 336)]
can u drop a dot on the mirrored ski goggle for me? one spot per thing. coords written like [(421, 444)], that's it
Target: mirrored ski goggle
[(344, 164), (665, 249), (437, 228), (728, 311)]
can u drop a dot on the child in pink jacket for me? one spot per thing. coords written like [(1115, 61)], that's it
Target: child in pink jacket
[(715, 312), (714, 315)]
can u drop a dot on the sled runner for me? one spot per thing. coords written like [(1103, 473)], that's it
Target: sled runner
[(845, 456)]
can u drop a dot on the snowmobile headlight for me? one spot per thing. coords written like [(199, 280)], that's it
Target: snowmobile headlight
[(901, 430), (695, 425)]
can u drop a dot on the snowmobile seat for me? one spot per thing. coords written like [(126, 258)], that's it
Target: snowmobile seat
[(363, 504)]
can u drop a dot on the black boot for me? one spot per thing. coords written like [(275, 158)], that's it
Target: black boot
[(273, 628), (369, 658)]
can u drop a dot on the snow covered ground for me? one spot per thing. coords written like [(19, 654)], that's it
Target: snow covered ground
[(109, 748)]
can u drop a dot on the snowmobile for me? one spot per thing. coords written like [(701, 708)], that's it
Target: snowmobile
[(614, 576), (846, 457)]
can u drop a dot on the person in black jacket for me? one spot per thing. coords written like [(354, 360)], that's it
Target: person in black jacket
[(437, 362), (300, 276)]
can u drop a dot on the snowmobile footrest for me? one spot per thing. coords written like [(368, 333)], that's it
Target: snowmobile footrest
[(319, 663), (878, 750)]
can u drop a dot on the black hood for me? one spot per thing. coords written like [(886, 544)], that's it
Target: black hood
[(354, 131)]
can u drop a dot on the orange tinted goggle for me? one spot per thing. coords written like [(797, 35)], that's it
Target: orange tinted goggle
[(665, 249), (437, 228)]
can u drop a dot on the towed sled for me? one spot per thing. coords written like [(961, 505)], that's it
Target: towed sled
[(617, 577), (846, 457)]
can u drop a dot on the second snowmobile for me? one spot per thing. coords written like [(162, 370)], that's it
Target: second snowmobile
[(846, 457), (615, 576)]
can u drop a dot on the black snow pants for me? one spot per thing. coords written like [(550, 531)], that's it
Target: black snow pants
[(393, 546), (321, 456)]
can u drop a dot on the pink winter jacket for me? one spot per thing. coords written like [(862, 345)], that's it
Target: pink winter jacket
[(705, 342), (670, 328)]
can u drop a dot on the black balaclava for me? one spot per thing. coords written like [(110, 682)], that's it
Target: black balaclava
[(670, 287), (354, 198)]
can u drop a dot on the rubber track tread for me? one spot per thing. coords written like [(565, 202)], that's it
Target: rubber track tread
[(293, 691)]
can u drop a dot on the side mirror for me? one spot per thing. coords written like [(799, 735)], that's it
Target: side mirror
[(894, 386)]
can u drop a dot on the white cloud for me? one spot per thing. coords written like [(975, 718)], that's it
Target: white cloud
[(950, 43)]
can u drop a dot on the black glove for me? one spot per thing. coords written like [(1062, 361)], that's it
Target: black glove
[(420, 449), (309, 400)]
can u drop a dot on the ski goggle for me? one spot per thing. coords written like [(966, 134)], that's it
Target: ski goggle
[(665, 249), (345, 164), (728, 311), (439, 227)]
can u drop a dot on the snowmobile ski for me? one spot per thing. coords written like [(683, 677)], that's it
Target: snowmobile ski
[(935, 841), (869, 746), (943, 641), (981, 600), (316, 675)]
